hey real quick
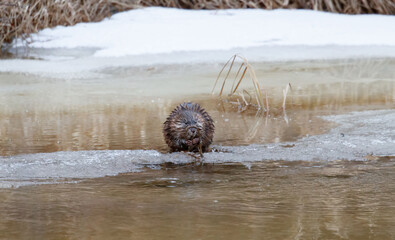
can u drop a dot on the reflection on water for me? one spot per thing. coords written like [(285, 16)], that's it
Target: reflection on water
[(39, 127), (124, 108), (267, 200)]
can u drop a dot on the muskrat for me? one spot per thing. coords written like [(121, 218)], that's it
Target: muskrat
[(189, 128)]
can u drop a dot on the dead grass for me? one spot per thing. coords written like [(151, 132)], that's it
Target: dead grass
[(23, 17), (338, 6), (243, 67), (244, 71)]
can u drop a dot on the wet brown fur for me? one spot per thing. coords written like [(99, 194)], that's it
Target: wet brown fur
[(182, 118)]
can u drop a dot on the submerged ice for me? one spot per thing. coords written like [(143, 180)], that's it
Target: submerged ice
[(357, 135)]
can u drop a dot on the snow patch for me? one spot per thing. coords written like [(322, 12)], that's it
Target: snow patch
[(157, 30)]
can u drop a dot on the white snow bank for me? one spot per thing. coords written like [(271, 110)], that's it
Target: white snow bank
[(165, 30)]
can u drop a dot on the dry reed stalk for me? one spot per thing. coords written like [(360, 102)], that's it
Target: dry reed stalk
[(247, 68), (285, 92)]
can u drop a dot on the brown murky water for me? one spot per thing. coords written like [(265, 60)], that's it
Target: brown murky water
[(125, 109), (269, 200)]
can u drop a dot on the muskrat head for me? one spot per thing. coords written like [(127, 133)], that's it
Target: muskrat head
[(188, 128)]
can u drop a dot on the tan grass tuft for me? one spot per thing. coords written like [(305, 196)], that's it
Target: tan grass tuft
[(245, 66)]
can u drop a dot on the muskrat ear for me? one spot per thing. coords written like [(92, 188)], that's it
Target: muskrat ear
[(188, 105)]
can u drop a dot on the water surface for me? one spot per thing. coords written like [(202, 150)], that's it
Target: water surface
[(83, 154), (267, 200)]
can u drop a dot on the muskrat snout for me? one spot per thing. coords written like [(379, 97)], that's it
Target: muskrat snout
[(192, 132)]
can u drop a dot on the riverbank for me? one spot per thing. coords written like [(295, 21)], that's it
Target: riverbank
[(22, 18)]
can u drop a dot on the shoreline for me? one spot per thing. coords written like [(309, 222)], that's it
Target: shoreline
[(23, 18), (162, 31), (57, 62)]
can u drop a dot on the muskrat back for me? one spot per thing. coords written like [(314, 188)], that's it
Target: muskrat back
[(189, 128)]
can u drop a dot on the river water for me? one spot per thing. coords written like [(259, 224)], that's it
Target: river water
[(83, 155)]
